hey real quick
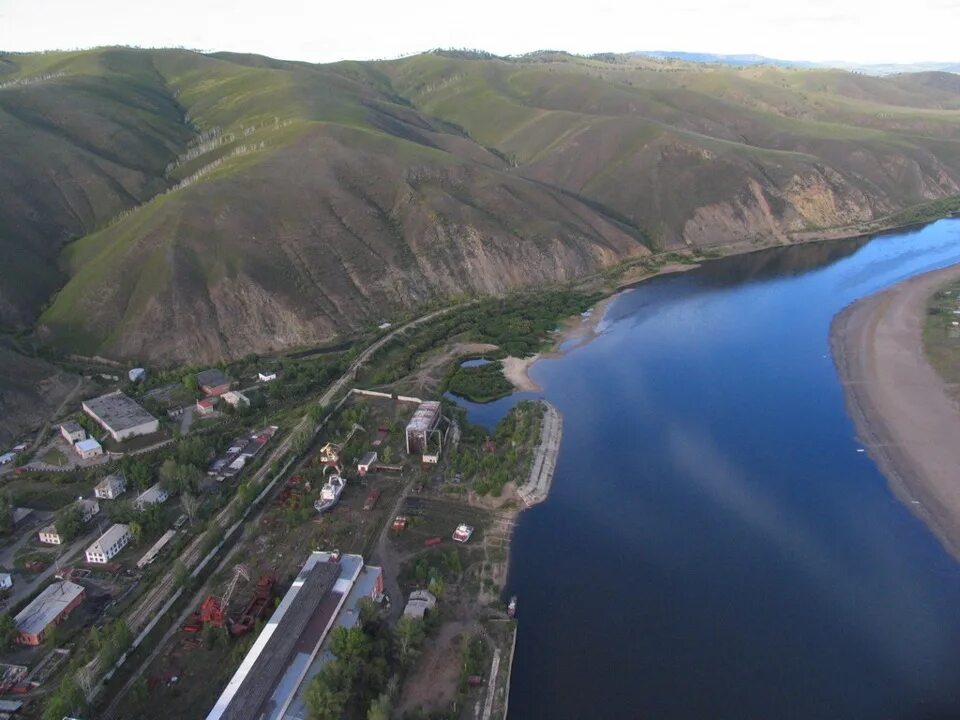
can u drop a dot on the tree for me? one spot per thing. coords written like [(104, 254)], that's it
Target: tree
[(190, 382), (8, 631), (66, 701), (191, 505), (69, 522), (169, 474), (408, 637), (180, 573), (327, 695), (138, 473), (6, 513), (136, 531), (188, 478)]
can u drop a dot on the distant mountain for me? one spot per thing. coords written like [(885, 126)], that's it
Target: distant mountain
[(171, 205), (752, 60)]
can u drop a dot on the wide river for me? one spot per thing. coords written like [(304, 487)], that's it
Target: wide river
[(715, 545)]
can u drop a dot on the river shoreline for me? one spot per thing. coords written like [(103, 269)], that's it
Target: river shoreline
[(899, 404)]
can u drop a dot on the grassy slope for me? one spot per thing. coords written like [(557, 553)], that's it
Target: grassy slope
[(344, 192)]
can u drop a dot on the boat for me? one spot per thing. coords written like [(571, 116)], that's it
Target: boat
[(330, 493), (512, 607), (462, 533)]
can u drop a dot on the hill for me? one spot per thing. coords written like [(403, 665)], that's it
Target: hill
[(199, 206)]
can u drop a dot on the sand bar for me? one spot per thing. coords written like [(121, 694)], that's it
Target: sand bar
[(899, 404)]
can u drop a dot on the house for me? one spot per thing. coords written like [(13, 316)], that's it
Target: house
[(50, 536), (109, 544), (7, 458), (72, 432), (111, 487), (154, 495), (88, 508), (88, 448), (235, 398), (121, 416), (420, 603), (213, 381), (206, 406), (137, 375), (6, 581), (268, 376), (367, 463), (49, 608)]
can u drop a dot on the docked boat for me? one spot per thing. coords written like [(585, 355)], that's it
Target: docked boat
[(462, 533), (330, 493), (512, 607)]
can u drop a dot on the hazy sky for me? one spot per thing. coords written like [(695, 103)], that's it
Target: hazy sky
[(325, 30)]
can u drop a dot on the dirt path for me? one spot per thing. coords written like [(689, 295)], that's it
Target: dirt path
[(901, 407), (433, 684)]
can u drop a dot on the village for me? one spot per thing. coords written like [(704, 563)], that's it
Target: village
[(199, 548)]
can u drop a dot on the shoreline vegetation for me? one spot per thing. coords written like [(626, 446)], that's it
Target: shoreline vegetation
[(902, 409)]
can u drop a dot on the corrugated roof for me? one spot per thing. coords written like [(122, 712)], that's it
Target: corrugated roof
[(425, 417), (108, 538), (47, 607)]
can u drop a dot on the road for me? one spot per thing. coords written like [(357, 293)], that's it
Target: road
[(23, 588)]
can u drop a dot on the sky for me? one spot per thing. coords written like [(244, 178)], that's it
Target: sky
[(863, 31)]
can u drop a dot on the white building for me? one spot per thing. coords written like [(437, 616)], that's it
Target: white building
[(88, 448), (235, 398), (111, 487), (88, 508), (109, 544), (121, 416), (50, 536), (137, 374), (72, 432), (268, 376), (151, 496), (7, 458), (367, 462), (6, 581)]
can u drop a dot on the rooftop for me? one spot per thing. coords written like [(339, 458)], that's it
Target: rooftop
[(113, 479), (71, 426), (425, 417), (47, 607), (109, 538), (212, 377), (151, 494), (87, 445), (368, 458), (118, 411)]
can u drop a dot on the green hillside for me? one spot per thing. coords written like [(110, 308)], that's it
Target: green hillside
[(196, 206)]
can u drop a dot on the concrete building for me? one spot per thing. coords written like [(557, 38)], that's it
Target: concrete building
[(292, 648), (88, 448), (422, 426), (50, 536), (6, 581), (268, 376), (88, 508), (420, 603), (235, 398), (111, 487), (213, 381), (154, 495), (109, 544), (121, 416), (367, 462), (207, 405), (49, 608), (72, 432)]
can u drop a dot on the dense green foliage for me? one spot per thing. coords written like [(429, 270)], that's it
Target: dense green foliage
[(479, 384)]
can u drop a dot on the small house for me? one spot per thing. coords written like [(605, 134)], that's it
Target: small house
[(213, 381), (109, 544), (235, 398), (137, 375), (367, 462), (111, 487), (268, 376), (88, 508), (72, 432), (420, 603), (50, 536), (7, 458), (206, 406), (6, 581), (154, 495), (88, 449)]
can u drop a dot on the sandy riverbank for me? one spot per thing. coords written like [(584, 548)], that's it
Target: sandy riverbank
[(899, 404)]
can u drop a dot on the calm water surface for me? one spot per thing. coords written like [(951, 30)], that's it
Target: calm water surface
[(714, 546)]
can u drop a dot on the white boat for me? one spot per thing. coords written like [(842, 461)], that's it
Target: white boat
[(330, 493), (462, 533)]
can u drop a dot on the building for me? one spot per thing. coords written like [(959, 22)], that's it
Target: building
[(243, 449), (367, 462), (88, 508), (268, 376), (6, 581), (88, 448), (72, 432), (109, 544), (8, 457), (121, 416), (420, 603), (422, 426), (235, 398), (292, 648), (49, 608), (154, 495), (207, 405), (50, 536), (111, 487), (158, 546), (137, 375), (213, 381)]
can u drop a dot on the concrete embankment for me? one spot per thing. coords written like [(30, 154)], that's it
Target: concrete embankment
[(537, 486)]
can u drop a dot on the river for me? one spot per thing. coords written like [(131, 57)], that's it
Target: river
[(714, 545)]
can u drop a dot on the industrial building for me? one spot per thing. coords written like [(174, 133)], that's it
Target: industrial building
[(121, 416), (72, 432), (88, 448), (109, 544), (111, 487), (272, 679), (49, 608), (153, 495), (213, 381), (422, 426)]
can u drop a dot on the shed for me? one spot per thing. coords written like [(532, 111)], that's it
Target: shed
[(367, 462), (88, 448)]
